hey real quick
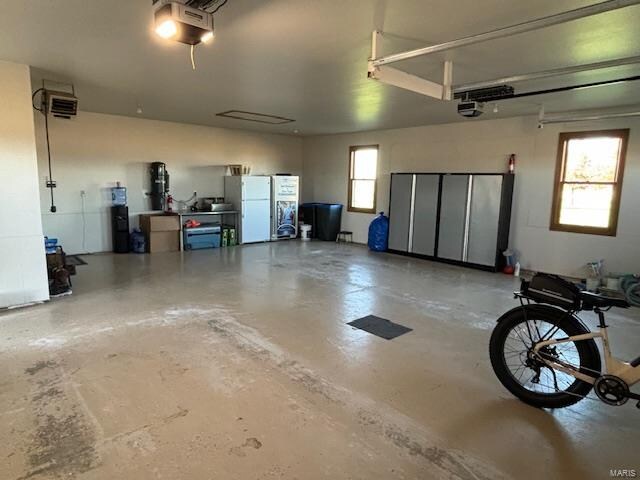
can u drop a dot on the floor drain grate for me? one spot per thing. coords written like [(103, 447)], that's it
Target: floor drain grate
[(380, 327)]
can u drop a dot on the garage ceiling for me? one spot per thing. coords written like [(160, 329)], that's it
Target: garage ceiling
[(307, 59)]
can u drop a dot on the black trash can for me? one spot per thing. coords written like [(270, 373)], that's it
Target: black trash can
[(325, 219), (307, 215), (328, 221)]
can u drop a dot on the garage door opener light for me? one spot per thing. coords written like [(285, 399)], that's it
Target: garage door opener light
[(181, 23)]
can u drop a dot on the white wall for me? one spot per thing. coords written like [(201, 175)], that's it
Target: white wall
[(93, 151), (484, 146), (23, 272)]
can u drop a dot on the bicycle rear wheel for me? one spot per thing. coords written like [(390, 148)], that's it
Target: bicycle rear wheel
[(530, 379)]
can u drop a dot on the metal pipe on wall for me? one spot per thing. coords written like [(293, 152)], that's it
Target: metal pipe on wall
[(509, 31)]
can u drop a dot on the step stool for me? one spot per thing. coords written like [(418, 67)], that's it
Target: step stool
[(345, 236)]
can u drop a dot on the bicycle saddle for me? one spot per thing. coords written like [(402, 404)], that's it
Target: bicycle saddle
[(592, 300)]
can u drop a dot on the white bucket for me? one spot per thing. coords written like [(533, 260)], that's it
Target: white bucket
[(305, 232), (593, 284), (613, 283)]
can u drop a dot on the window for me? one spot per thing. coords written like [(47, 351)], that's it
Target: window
[(589, 181), (363, 169)]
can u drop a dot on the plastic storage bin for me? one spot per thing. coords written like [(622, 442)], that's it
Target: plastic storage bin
[(204, 236)]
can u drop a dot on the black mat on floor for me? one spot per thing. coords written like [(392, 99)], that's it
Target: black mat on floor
[(74, 260), (380, 327)]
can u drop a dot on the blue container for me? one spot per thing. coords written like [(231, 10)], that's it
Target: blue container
[(50, 245), (137, 241), (119, 196), (379, 234), (205, 236)]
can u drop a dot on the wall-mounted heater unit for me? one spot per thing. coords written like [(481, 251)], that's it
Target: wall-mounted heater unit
[(60, 104)]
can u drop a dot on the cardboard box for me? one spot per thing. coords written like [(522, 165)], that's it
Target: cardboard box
[(159, 223), (55, 260), (163, 242), (162, 232)]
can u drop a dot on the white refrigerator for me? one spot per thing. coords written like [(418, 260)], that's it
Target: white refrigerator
[(284, 210), (251, 196)]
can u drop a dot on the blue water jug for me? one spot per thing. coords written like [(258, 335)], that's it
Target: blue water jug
[(118, 196), (137, 241), (379, 233)]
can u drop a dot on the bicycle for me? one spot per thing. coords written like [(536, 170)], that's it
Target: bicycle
[(547, 357)]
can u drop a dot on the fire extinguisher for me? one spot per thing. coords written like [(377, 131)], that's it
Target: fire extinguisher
[(169, 203), (512, 163)]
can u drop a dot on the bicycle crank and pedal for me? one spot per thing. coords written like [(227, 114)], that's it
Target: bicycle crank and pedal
[(614, 391)]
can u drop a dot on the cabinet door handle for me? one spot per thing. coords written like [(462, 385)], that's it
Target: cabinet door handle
[(412, 211), (467, 220)]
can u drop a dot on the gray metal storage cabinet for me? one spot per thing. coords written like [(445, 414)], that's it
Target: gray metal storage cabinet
[(400, 210), (459, 218)]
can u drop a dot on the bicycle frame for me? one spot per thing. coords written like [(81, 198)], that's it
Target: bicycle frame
[(629, 373)]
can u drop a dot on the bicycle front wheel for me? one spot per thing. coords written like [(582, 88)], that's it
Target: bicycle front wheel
[(524, 374)]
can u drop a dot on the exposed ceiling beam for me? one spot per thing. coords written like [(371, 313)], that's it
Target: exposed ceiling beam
[(509, 31)]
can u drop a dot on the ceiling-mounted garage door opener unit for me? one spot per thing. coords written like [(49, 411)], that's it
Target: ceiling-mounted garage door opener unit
[(176, 21)]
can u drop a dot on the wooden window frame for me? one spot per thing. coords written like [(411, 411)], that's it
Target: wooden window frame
[(563, 141), (350, 178)]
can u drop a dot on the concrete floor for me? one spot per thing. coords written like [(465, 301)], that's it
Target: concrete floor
[(237, 364)]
